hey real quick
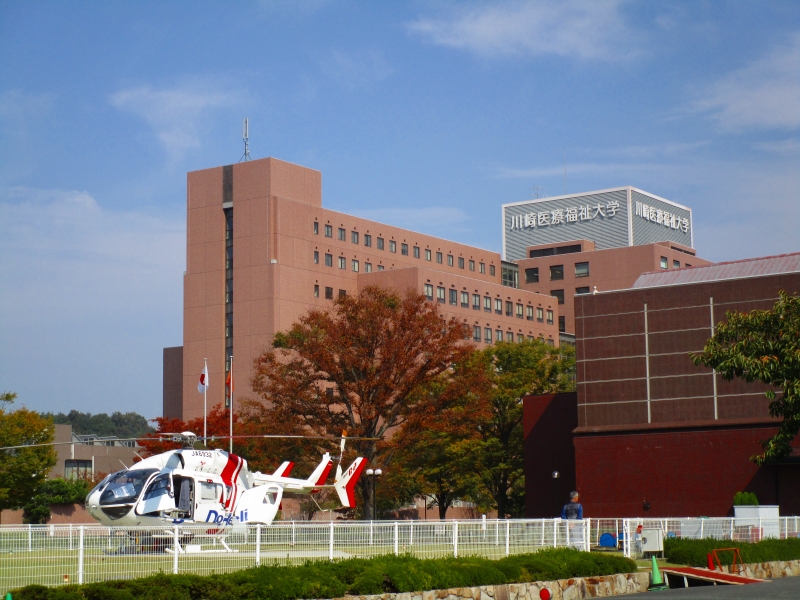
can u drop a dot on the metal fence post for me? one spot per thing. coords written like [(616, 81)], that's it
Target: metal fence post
[(370, 533), (30, 536), (396, 526), (543, 522), (330, 544), (497, 532), (293, 536), (80, 554), (701, 528), (587, 530), (70, 536), (555, 532), (508, 535), (455, 539), (411, 533), (732, 529), (258, 544), (175, 557)]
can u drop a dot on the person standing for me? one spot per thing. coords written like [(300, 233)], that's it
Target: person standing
[(572, 509)]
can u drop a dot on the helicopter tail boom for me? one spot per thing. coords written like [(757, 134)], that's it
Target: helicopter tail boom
[(346, 484)]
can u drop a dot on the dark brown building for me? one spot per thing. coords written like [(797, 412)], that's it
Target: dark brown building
[(657, 435)]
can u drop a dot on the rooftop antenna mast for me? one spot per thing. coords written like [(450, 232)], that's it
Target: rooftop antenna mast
[(245, 139)]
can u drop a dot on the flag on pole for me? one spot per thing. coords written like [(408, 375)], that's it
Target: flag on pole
[(203, 385), (229, 383)]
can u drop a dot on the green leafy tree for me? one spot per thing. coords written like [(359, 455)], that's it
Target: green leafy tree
[(122, 425), (21, 469), (54, 491), (494, 452), (763, 345)]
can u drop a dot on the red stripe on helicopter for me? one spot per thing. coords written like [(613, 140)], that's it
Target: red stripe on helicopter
[(229, 475), (350, 486)]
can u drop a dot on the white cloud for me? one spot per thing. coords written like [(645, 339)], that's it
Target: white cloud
[(570, 28), (790, 146), (762, 95), (177, 115), (90, 296), (352, 70)]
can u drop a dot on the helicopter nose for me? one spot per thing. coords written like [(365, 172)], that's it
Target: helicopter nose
[(92, 503)]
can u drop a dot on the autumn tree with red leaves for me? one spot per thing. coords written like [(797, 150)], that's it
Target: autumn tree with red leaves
[(361, 366)]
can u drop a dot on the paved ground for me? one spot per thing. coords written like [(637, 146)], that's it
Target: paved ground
[(779, 589)]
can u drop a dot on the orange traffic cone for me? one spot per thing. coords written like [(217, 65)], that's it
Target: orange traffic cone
[(710, 562)]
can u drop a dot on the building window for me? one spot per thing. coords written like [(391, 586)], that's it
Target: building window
[(498, 336), (482, 267), (429, 291), (487, 304), (328, 231), (558, 294), (316, 291), (556, 272), (454, 297), (404, 249), (472, 265), (540, 315), (582, 269), (316, 257), (476, 333), (355, 266), (529, 312), (562, 324), (519, 311), (520, 338), (440, 294), (460, 262), (354, 237), (439, 257), (492, 270), (392, 246), (449, 260), (687, 265), (416, 251), (342, 262), (509, 276), (328, 293), (487, 335), (367, 267), (476, 302), (380, 267), (664, 262), (549, 317), (676, 264), (509, 309), (367, 240), (316, 227), (342, 234), (550, 342), (329, 260), (380, 243), (342, 293), (427, 254), (509, 336), (464, 300), (498, 306), (532, 275), (582, 290), (74, 469)]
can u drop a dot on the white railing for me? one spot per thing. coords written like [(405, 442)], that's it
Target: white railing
[(58, 554)]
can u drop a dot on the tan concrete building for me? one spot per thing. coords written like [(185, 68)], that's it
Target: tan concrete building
[(572, 268), (261, 251)]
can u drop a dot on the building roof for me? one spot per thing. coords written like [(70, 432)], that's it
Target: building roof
[(737, 269)]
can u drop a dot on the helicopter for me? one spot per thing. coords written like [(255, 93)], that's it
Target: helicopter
[(199, 486)]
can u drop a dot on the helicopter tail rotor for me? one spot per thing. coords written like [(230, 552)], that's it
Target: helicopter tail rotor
[(346, 484)]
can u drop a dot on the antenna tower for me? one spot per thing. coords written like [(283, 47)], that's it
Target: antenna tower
[(245, 139)]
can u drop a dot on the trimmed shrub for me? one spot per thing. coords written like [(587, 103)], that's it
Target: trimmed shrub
[(694, 552), (745, 499), (352, 576)]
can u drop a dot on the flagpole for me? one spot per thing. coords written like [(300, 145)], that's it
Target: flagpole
[(231, 406), (205, 401)]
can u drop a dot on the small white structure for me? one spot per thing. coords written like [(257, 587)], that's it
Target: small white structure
[(762, 521)]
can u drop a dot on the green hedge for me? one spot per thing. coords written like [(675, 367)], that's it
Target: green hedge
[(695, 552), (352, 576)]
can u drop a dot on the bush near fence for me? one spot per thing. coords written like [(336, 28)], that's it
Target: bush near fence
[(352, 576), (694, 552)]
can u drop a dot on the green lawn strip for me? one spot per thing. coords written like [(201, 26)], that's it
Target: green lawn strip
[(352, 576), (694, 552)]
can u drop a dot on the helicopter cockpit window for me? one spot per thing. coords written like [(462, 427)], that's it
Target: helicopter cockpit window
[(125, 487), (162, 485)]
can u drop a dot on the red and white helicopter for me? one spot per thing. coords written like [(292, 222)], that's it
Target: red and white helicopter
[(188, 486)]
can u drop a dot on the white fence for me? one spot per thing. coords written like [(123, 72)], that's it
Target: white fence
[(60, 554)]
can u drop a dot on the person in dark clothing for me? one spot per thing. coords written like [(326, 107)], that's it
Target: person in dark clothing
[(572, 510)]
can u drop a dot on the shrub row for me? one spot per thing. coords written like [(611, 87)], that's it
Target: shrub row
[(352, 576), (694, 552)]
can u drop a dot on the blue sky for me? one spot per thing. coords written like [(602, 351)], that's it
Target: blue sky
[(428, 115)]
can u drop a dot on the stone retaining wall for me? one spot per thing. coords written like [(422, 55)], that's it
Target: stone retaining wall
[(769, 570)]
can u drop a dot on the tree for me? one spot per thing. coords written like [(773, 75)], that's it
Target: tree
[(22, 469), (494, 452), (763, 345), (358, 366), (122, 425), (54, 491)]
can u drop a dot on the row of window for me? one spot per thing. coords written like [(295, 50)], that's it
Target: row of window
[(497, 335), (355, 264), (487, 304), (578, 291), (556, 272), (676, 264), (380, 244), (328, 292)]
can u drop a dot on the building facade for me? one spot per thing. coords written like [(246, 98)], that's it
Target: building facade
[(262, 250)]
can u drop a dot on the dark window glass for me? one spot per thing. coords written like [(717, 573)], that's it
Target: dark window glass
[(532, 275), (487, 335), (440, 294), (392, 246), (529, 313), (342, 262), (328, 231), (558, 294), (476, 301), (367, 240), (555, 251), (487, 304), (316, 227), (354, 237), (367, 267), (329, 260), (664, 263), (416, 251), (482, 267), (449, 260), (454, 297), (427, 254), (428, 291), (380, 243), (404, 249), (329, 293), (582, 269), (492, 271), (676, 264), (472, 265), (540, 315), (519, 311), (460, 262), (498, 306), (509, 309), (342, 234), (582, 290), (562, 324), (342, 293), (464, 300), (380, 267), (316, 291), (476, 333), (549, 317), (439, 257), (316, 257), (556, 272)]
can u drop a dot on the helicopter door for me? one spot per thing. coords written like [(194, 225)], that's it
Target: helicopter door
[(158, 496)]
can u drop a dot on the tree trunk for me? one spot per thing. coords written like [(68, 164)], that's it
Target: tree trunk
[(443, 504), (367, 493)]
